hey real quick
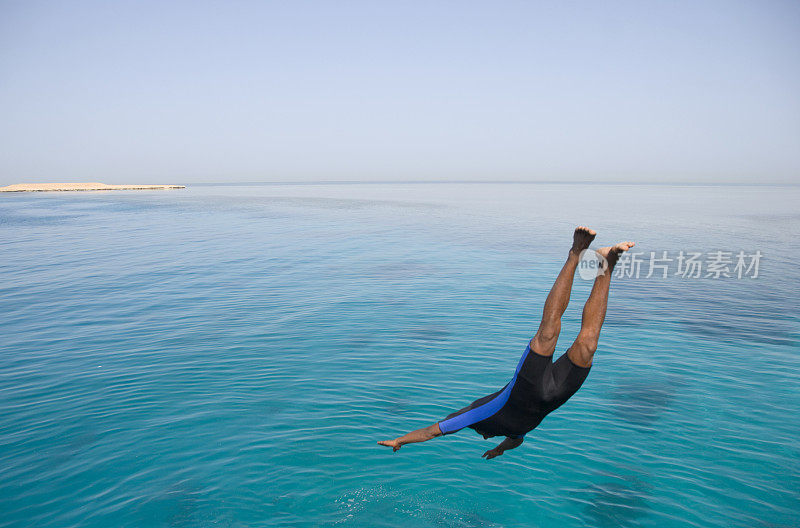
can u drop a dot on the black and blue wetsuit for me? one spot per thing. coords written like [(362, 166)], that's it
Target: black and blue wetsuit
[(539, 386)]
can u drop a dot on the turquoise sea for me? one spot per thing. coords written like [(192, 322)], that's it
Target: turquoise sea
[(228, 356)]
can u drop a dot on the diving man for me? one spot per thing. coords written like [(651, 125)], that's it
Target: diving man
[(539, 384)]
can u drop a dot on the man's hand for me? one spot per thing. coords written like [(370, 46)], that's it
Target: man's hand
[(490, 454), (505, 445), (394, 444)]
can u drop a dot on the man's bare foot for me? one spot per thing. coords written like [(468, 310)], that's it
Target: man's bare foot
[(582, 238), (611, 253), (394, 444)]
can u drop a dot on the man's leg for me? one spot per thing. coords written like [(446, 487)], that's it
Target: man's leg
[(544, 342), (594, 312)]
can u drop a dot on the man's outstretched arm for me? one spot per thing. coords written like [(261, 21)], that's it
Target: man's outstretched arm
[(505, 445), (420, 435)]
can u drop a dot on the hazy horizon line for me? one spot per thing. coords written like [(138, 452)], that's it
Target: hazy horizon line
[(504, 182), (452, 181)]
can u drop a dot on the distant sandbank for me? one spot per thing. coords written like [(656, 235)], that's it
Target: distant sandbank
[(94, 186)]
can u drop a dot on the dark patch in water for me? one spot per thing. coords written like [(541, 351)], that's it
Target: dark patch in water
[(772, 219), (641, 402), (82, 441), (132, 206), (344, 204), (73, 445), (359, 341), (176, 506), (746, 330), (406, 269), (12, 220), (268, 408), (396, 406), (627, 322), (427, 334), (182, 510), (748, 314), (618, 502)]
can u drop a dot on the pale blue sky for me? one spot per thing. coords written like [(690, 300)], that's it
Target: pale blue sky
[(119, 91)]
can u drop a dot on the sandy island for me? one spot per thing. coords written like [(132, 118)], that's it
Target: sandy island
[(31, 187)]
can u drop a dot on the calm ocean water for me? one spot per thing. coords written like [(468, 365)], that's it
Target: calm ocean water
[(229, 355)]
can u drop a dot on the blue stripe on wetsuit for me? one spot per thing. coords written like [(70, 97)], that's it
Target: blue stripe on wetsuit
[(486, 410)]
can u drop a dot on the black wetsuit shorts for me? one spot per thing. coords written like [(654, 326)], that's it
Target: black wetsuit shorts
[(539, 386)]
